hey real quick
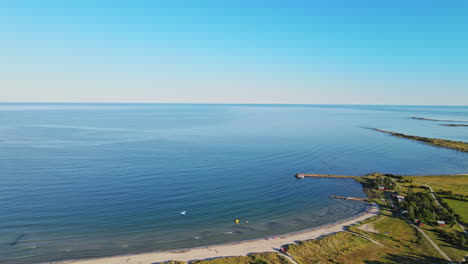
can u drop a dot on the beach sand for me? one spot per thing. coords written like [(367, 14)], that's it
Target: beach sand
[(236, 249)]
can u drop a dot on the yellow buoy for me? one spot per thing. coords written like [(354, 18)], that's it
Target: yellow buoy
[(237, 221)]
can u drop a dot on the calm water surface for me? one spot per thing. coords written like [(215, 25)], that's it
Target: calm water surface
[(90, 180)]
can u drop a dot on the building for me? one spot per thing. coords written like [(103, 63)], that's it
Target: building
[(440, 223), (400, 198)]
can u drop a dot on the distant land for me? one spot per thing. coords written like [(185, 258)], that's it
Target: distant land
[(431, 119), (454, 125), (445, 143)]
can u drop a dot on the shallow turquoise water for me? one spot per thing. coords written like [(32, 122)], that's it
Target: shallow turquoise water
[(90, 180)]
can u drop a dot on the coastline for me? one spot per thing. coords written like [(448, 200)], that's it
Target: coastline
[(233, 249)]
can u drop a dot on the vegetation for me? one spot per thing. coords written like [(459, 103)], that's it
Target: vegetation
[(452, 191), (454, 125), (401, 241), (421, 206), (455, 183), (369, 189), (383, 182), (451, 195), (455, 252), (457, 238), (444, 143), (431, 119), (461, 210), (337, 248), (256, 258), (396, 242)]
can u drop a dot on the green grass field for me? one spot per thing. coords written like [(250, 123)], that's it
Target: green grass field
[(456, 183), (460, 207)]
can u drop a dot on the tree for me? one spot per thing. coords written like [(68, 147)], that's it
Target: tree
[(410, 212)]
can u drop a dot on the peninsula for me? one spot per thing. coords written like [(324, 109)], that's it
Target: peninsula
[(454, 125), (432, 119), (444, 143)]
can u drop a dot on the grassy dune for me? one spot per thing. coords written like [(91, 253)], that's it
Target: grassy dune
[(444, 143), (335, 248), (256, 258)]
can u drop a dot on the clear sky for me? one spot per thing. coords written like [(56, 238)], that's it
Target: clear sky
[(312, 52)]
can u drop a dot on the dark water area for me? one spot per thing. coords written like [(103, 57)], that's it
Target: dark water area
[(91, 180)]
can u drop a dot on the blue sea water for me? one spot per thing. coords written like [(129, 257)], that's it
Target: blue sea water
[(91, 180)]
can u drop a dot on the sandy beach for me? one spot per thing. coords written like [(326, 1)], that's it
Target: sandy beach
[(235, 249)]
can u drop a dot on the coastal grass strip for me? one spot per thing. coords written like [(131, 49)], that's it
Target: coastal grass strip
[(444, 143), (330, 249), (454, 125), (255, 258), (431, 119)]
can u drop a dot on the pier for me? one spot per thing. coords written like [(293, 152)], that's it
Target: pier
[(303, 175), (348, 198)]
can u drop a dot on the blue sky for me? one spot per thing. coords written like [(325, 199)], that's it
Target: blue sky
[(307, 52)]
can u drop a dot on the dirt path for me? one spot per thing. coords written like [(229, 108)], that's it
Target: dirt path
[(439, 204), (434, 244), (289, 257), (365, 237), (433, 195)]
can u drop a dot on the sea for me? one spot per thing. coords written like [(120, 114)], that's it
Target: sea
[(94, 180)]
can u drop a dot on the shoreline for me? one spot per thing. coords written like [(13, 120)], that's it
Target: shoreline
[(240, 248)]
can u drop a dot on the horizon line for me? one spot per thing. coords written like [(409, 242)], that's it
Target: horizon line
[(199, 103)]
